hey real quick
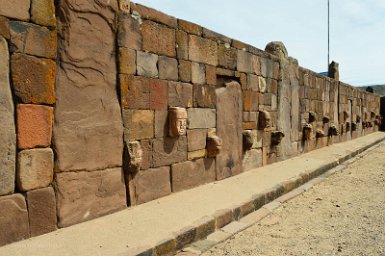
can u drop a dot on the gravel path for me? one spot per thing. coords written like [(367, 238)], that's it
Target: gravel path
[(345, 215)]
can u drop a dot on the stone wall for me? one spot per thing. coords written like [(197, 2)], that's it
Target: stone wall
[(106, 105)]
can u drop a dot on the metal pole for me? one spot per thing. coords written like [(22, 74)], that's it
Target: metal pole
[(328, 34)]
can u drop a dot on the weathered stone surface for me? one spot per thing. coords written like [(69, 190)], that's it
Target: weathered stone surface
[(33, 40), (211, 75), (88, 126), (196, 139), (201, 118), (16, 9), (244, 62), (146, 146), (125, 6), (229, 129), (4, 28), (252, 159), (14, 219), (149, 185), (138, 124), (34, 126), (43, 12), (201, 153), (147, 64), (203, 50), (185, 68), (133, 156), (192, 173), (227, 56), (204, 96), (7, 126), (127, 61), (129, 34), (158, 94), (198, 75), (161, 123), (168, 68), (158, 39), (154, 15), (42, 211), (83, 196), (35, 168), (190, 27), (167, 151), (182, 45), (180, 94), (134, 92), (33, 79), (214, 144)]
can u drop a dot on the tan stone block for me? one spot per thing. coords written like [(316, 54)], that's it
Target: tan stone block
[(34, 126), (198, 75), (158, 39), (138, 124), (43, 12), (196, 139), (201, 118), (147, 64), (190, 27), (185, 69), (161, 123), (129, 33), (252, 159), (168, 68), (196, 154), (203, 50), (35, 169), (127, 61), (209, 34), (225, 72), (4, 28), (249, 125), (168, 150), (211, 75), (33, 79), (252, 82), (154, 15), (16, 9), (245, 62), (134, 92), (180, 94), (227, 56), (204, 96), (182, 45), (239, 45), (223, 217)]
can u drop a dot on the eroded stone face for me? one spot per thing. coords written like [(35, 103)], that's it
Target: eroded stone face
[(320, 133), (326, 119), (264, 120), (333, 130), (177, 118), (135, 156), (214, 145), (307, 131), (276, 137), (248, 140), (312, 117)]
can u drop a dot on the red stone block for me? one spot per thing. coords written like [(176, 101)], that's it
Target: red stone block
[(158, 94), (134, 92), (34, 126)]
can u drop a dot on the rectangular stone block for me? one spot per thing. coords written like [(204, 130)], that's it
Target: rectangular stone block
[(185, 68), (245, 62), (227, 56), (190, 27), (203, 50), (138, 124), (150, 185), (14, 219), (204, 96), (158, 94), (33, 79), (43, 12), (127, 61), (196, 139), (201, 153), (129, 33), (180, 94), (4, 28), (134, 92), (82, 196), (16, 9), (147, 64), (252, 159), (146, 146), (161, 123), (168, 68), (34, 126), (168, 151), (211, 75), (33, 40), (154, 15), (201, 118), (42, 211), (192, 173), (182, 45), (198, 73), (158, 39)]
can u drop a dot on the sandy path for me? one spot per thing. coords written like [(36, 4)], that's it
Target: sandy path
[(345, 215)]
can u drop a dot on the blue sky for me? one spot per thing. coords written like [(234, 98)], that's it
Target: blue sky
[(357, 30)]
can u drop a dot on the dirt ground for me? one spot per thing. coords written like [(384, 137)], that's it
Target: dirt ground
[(345, 215)]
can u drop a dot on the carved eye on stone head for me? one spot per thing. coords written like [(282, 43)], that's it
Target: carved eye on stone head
[(312, 117)]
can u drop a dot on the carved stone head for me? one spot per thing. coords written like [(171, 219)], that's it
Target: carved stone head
[(264, 120), (248, 140), (334, 70), (177, 118), (354, 126), (312, 117), (307, 131), (372, 115), (346, 115), (358, 119), (347, 126), (214, 145), (276, 137), (135, 155), (326, 119), (333, 130), (320, 133), (124, 5)]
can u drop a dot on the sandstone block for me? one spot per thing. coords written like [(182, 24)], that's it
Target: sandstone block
[(146, 146), (87, 101), (134, 92), (150, 185), (4, 28), (250, 116), (16, 9), (185, 68), (34, 126), (158, 39), (129, 34), (252, 82), (244, 62), (267, 68), (211, 75), (207, 33), (147, 64), (82, 196), (192, 173), (7, 125), (35, 169), (168, 150), (158, 94), (127, 61), (33, 79), (168, 68), (252, 159), (201, 118), (125, 6), (14, 219), (161, 123), (190, 27), (33, 40), (182, 45), (227, 56), (138, 124), (198, 73), (203, 50), (42, 211), (196, 139), (155, 15), (180, 94), (204, 96), (201, 153), (43, 12)]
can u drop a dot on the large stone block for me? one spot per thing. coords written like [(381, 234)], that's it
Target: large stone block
[(168, 151), (196, 139), (192, 173), (180, 94), (34, 126), (158, 94), (33, 40), (88, 126), (16, 9), (4, 28), (13, 219), (246, 62), (82, 196), (203, 50), (147, 64), (42, 211), (161, 123), (252, 159), (33, 79), (168, 68), (182, 45), (190, 27), (158, 39), (134, 92), (185, 69), (227, 56), (35, 168), (43, 12), (198, 73), (129, 34), (127, 61), (204, 96), (150, 185), (201, 118), (7, 125), (138, 124)]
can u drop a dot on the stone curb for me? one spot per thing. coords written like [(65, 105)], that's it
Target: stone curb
[(211, 230)]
